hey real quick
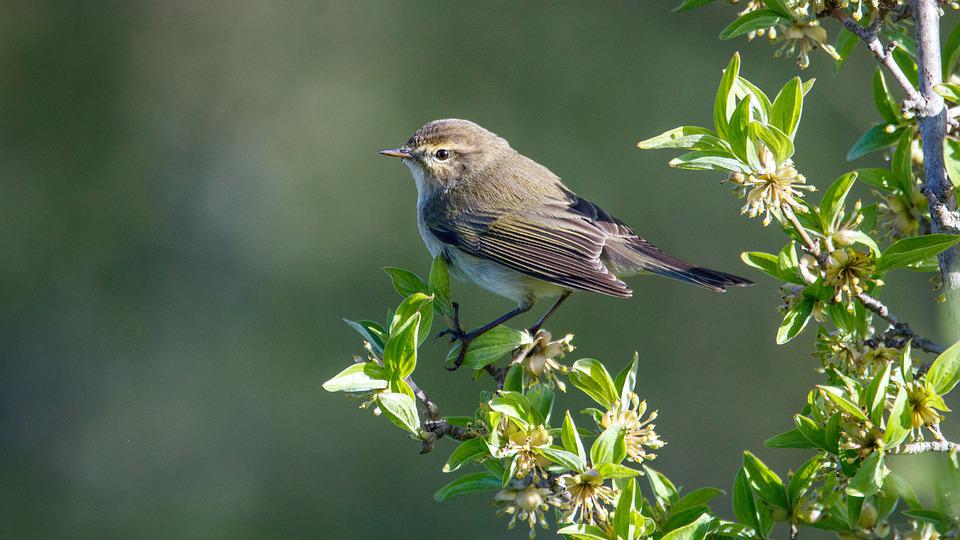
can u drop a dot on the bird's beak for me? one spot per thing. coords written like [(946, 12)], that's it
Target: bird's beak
[(402, 152)]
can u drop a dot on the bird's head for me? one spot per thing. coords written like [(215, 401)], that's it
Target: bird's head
[(443, 152)]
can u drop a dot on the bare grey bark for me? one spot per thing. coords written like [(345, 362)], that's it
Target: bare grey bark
[(933, 125)]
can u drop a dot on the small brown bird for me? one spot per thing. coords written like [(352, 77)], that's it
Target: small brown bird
[(511, 226)]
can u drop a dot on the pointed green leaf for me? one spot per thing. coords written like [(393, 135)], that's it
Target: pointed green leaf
[(795, 320), (471, 483), (590, 376), (725, 102), (400, 409), (907, 251), (571, 439), (768, 485), (788, 107), (490, 346), (884, 100), (469, 451), (899, 422), (744, 505), (869, 476), (354, 379), (876, 138), (751, 22), (406, 282), (685, 137), (944, 374), (609, 447), (663, 489), (833, 198)]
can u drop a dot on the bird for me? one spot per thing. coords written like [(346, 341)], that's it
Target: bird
[(508, 224)]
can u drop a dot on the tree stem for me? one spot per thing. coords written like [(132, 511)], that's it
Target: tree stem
[(933, 124)]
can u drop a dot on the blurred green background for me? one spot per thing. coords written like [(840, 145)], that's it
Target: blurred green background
[(192, 200)]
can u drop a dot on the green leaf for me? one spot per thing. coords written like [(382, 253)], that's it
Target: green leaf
[(904, 490), (878, 178), (789, 439), (906, 63), (884, 100), (561, 457), (691, 4), (938, 519), (907, 251), (372, 332), (355, 379), (944, 374), (875, 396), (901, 165), (695, 531), (541, 398), (876, 138), (406, 282), (725, 101), (869, 476), (854, 507), (415, 303), (697, 497), (835, 395), (513, 381), (609, 447), (795, 320), (439, 284), (471, 483), (738, 132), (580, 531), (759, 102), (744, 505), (400, 353), (752, 21), (768, 485), (622, 523), (516, 406), (627, 379), (951, 159), (766, 263), (663, 489), (571, 439), (811, 431), (774, 139), (590, 376), (779, 7), (685, 137), (613, 470), (469, 451), (846, 43), (899, 422), (788, 107), (831, 434), (951, 52), (490, 346), (948, 91), (709, 161), (801, 480), (400, 409), (833, 198)]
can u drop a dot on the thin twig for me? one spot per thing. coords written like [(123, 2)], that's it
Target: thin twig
[(898, 328), (925, 446), (812, 246), (883, 54)]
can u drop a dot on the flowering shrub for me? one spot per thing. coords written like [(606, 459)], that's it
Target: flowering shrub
[(882, 389)]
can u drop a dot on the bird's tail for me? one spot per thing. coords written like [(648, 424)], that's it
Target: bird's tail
[(630, 256)]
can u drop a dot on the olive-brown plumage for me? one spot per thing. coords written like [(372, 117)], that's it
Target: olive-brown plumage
[(510, 225)]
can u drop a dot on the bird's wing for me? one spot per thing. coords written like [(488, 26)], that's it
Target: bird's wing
[(551, 242)]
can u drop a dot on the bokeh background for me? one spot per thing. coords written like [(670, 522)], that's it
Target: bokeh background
[(192, 200)]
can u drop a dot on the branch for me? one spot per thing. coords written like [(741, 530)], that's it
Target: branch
[(914, 101), (925, 446), (898, 328), (933, 123)]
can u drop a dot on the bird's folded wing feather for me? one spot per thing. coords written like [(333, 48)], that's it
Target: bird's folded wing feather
[(550, 243)]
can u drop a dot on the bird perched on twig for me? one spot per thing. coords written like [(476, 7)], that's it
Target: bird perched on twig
[(511, 226)]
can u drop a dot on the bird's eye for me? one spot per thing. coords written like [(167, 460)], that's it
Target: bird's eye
[(442, 154)]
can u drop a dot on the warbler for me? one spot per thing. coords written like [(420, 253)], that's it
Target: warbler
[(508, 224)]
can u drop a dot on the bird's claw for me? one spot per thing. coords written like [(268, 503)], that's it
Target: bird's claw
[(456, 331)]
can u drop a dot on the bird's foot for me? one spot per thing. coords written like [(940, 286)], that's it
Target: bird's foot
[(456, 332), (465, 341)]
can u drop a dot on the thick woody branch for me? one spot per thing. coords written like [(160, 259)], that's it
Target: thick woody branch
[(933, 125), (899, 331), (914, 101), (435, 426)]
